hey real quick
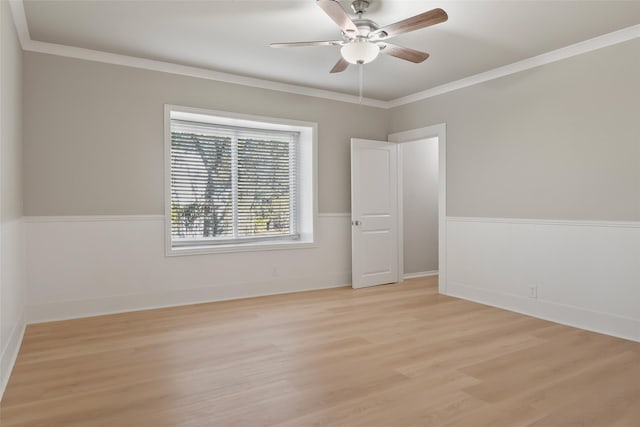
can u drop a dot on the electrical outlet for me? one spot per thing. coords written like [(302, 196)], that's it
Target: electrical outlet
[(533, 292)]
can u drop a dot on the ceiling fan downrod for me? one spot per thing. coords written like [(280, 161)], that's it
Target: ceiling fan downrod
[(359, 7)]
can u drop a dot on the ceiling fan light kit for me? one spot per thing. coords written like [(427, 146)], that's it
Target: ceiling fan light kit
[(362, 39), (360, 51)]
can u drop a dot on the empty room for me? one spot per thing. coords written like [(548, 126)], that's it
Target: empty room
[(295, 213)]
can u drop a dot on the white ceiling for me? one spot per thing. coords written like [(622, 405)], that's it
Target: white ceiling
[(233, 36)]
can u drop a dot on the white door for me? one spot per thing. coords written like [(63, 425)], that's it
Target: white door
[(374, 212)]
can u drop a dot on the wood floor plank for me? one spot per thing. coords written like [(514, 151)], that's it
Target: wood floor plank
[(396, 355)]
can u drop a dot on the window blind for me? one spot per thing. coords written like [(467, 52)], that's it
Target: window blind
[(232, 184)]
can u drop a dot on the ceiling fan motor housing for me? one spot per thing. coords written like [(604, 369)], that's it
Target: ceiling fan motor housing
[(365, 27)]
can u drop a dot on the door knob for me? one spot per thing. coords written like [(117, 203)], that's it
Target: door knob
[(356, 223)]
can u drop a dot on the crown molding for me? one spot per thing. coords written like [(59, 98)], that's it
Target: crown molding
[(20, 19), (595, 43)]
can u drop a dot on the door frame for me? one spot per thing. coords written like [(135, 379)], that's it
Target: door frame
[(436, 131)]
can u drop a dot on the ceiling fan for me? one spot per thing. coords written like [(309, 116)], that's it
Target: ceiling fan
[(363, 39)]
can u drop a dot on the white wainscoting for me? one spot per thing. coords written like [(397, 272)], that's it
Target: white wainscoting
[(86, 266), (587, 273), (13, 295)]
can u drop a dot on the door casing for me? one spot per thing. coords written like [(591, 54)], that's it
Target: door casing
[(438, 131)]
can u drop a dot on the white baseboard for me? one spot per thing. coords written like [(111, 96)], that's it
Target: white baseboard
[(65, 310), (420, 274), (10, 352), (603, 323)]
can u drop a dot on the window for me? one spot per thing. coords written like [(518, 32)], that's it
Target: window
[(237, 183), (231, 184)]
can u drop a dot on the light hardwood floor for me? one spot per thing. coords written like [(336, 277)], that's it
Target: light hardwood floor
[(396, 355)]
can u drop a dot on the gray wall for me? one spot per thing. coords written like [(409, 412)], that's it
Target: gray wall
[(420, 205), (11, 184), (12, 284), (560, 141), (94, 144)]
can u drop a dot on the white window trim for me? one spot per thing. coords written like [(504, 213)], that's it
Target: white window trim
[(307, 181)]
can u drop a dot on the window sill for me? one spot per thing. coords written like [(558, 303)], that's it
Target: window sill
[(243, 247)]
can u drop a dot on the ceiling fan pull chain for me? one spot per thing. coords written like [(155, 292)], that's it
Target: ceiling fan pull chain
[(361, 70)]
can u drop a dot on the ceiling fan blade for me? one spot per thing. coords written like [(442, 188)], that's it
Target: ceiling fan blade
[(340, 66), (403, 52), (314, 43), (339, 16), (422, 20)]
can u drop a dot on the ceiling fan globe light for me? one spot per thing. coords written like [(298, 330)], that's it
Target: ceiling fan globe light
[(360, 51)]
